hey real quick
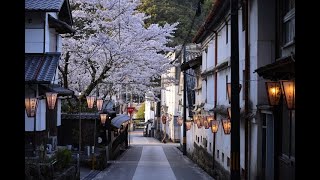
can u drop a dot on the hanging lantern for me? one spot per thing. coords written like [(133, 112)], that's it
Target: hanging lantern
[(226, 126), (288, 89), (206, 123), (214, 126), (31, 106), (180, 121), (90, 101), (188, 125), (103, 118), (99, 104), (229, 91), (51, 99), (273, 92)]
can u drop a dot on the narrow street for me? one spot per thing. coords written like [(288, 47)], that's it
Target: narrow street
[(147, 158)]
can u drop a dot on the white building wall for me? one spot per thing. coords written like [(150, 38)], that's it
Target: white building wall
[(224, 50), (222, 145), (58, 112), (34, 32), (40, 118)]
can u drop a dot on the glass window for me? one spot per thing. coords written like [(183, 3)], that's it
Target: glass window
[(288, 21)]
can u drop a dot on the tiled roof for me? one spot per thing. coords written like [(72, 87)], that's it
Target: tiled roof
[(43, 5), (40, 68), (58, 89)]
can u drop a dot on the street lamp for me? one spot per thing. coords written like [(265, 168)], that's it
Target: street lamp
[(288, 89), (78, 156), (130, 111), (90, 101), (226, 126), (51, 99), (99, 104), (214, 124), (31, 109), (273, 92), (103, 118)]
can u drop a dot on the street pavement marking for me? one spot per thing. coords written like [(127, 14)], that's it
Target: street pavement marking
[(153, 165)]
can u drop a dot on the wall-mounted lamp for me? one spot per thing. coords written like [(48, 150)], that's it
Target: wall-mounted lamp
[(273, 92), (226, 126), (288, 89), (31, 106), (51, 99)]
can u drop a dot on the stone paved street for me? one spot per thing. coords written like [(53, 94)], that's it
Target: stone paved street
[(147, 158)]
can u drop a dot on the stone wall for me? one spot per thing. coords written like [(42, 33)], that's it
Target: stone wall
[(205, 160)]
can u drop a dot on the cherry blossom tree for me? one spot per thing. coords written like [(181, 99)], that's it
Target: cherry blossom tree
[(113, 48)]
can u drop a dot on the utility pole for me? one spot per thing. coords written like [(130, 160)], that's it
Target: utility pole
[(184, 145), (235, 107)]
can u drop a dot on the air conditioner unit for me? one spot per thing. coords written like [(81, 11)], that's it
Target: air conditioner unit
[(53, 141)]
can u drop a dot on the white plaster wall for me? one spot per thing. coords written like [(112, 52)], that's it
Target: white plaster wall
[(210, 58), (203, 92), (38, 36), (34, 40), (58, 112), (223, 145), (210, 89), (224, 51), (147, 111), (222, 98)]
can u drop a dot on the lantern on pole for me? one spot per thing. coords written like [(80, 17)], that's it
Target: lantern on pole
[(90, 101), (214, 124), (103, 118), (51, 99), (226, 123), (99, 104), (31, 106)]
